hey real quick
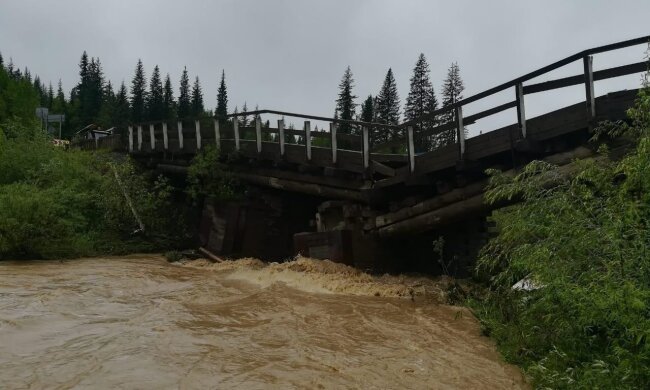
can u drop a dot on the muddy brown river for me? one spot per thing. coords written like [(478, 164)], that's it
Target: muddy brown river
[(138, 322)]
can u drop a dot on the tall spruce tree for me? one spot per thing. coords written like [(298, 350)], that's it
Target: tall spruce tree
[(122, 110), (222, 99), (387, 108), (184, 102), (2, 61), (155, 99), (345, 104), (138, 94), (168, 99), (452, 92), (108, 106), (197, 98), (59, 103), (421, 101), (368, 110)]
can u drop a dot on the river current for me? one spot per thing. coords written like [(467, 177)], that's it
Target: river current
[(138, 322)]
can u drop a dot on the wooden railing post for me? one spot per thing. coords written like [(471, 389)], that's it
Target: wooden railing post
[(139, 137), (152, 138), (589, 86), (333, 129), (165, 136), (180, 134), (258, 133), (521, 112), (235, 127), (365, 145), (197, 128), (308, 140), (281, 136), (217, 134), (410, 148), (460, 131), (130, 139)]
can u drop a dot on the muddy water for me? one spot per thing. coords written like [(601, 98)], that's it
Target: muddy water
[(139, 322)]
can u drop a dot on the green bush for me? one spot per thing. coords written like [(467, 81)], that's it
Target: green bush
[(585, 241)]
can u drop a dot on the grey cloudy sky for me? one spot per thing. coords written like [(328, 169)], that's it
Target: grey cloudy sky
[(290, 54)]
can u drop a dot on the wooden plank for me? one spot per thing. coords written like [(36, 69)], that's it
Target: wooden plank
[(604, 74), (235, 126), (382, 169), (460, 132), (165, 136), (589, 86), (258, 133), (130, 139), (301, 187), (411, 148), (281, 135), (152, 137), (197, 129), (365, 147), (139, 137), (308, 140), (521, 111), (179, 127), (333, 131), (217, 134)]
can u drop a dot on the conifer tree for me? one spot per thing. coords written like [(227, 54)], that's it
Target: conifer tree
[(50, 96), (59, 103), (155, 98), (197, 99), (122, 109), (138, 94), (421, 101), (345, 105), (452, 92), (222, 99), (168, 99), (2, 61), (367, 110), (108, 106), (184, 103), (387, 108)]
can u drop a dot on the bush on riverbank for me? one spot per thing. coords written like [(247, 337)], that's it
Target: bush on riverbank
[(584, 241), (56, 203)]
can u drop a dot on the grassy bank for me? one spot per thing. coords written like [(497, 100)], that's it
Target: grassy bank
[(584, 242)]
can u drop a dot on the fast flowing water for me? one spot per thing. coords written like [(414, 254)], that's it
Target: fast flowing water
[(139, 322)]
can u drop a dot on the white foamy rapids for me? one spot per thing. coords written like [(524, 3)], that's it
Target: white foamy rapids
[(324, 276)]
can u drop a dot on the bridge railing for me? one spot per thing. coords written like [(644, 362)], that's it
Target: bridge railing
[(357, 145), (456, 124)]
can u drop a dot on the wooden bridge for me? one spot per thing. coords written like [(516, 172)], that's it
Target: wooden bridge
[(412, 185)]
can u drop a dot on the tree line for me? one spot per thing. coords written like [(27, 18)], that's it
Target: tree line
[(385, 107), (94, 99)]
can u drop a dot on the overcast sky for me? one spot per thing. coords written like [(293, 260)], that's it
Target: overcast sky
[(290, 54)]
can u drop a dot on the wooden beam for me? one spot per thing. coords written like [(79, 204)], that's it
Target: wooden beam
[(305, 188), (197, 128), (179, 126), (460, 131), (235, 127), (130, 139), (365, 147), (604, 74), (139, 137), (411, 148), (217, 133), (281, 136), (383, 169), (333, 130), (152, 138), (521, 112), (258, 133), (589, 86), (165, 136), (308, 140)]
